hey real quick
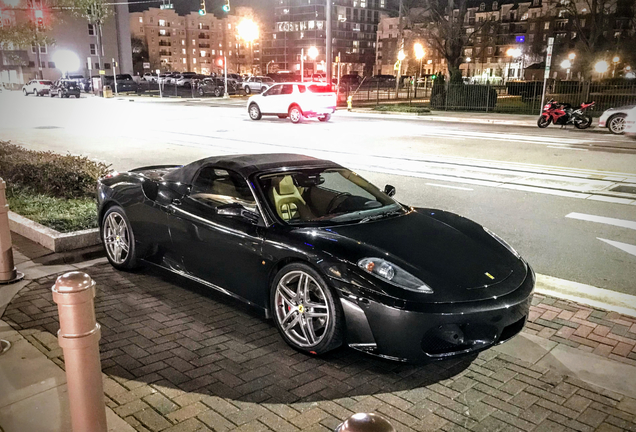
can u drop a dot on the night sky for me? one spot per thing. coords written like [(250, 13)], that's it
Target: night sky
[(264, 8)]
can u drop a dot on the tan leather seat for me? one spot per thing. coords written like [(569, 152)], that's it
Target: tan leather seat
[(287, 199)]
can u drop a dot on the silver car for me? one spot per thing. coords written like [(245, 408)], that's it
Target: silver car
[(614, 119), (37, 87), (257, 84)]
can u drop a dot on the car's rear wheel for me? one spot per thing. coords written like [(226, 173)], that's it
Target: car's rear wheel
[(295, 114), (247, 89), (51, 94), (25, 92), (616, 124), (325, 118), (201, 92), (306, 312), (255, 112), (217, 92), (77, 96), (118, 239)]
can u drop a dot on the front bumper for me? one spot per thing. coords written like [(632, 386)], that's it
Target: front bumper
[(447, 330)]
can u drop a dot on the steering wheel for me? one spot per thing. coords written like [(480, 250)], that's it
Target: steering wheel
[(331, 205)]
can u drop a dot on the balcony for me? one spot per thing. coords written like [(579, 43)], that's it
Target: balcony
[(164, 43), (204, 45), (165, 34), (204, 36), (164, 53)]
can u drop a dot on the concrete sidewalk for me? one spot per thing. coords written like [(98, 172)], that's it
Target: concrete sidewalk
[(453, 117), (177, 357)]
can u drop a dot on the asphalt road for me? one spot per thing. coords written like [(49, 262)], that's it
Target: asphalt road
[(547, 211)]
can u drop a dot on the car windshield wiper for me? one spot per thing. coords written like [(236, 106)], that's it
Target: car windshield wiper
[(380, 216)]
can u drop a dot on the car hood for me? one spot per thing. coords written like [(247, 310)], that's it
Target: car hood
[(451, 254)]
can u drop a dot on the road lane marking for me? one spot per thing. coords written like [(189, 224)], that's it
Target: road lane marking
[(604, 220), (450, 187), (625, 247), (566, 148)]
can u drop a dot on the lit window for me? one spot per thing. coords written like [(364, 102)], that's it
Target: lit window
[(482, 7), (202, 53), (184, 61), (141, 19), (546, 26), (162, 23), (182, 41), (229, 26), (183, 51), (193, 61), (382, 5)]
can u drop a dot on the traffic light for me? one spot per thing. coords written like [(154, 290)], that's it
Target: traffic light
[(433, 76), (39, 17), (219, 61), (202, 11), (226, 6)]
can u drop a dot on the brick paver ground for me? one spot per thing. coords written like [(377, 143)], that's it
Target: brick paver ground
[(179, 358)]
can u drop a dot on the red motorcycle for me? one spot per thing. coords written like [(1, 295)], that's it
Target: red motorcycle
[(563, 114)]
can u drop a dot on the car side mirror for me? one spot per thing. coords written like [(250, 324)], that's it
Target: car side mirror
[(389, 190), (238, 211)]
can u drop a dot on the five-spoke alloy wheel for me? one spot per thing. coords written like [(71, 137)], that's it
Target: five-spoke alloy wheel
[(305, 311), (118, 239), (255, 112), (616, 124)]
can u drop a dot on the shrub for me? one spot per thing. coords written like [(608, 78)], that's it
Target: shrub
[(465, 97), (48, 173), (402, 108)]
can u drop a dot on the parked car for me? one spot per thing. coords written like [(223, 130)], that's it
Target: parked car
[(186, 80), (630, 123), (257, 84), (64, 88), (319, 77), (294, 100), (37, 87), (125, 83), (235, 78), (350, 79), (329, 257), (215, 86), (150, 77), (614, 119)]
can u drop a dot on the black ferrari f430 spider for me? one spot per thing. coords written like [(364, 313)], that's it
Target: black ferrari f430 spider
[(328, 256)]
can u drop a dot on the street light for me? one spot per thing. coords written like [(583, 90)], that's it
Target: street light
[(419, 54), (66, 61), (601, 67), (615, 60), (572, 56), (312, 52), (468, 59), (566, 64), (248, 31), (512, 52)]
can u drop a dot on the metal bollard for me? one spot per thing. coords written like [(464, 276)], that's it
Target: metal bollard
[(365, 422), (8, 272), (79, 336)]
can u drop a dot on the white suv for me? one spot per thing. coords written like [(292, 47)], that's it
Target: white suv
[(37, 87), (257, 84), (294, 100)]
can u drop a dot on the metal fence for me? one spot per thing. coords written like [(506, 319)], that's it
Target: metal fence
[(513, 97)]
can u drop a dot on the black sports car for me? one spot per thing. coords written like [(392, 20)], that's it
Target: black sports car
[(327, 255)]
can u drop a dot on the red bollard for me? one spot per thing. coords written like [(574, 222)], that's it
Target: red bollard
[(79, 336)]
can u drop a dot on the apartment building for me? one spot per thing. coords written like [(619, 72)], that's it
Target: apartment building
[(506, 39), (20, 64), (196, 43), (301, 24)]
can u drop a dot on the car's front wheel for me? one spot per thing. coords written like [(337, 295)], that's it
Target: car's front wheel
[(255, 112), (217, 92), (295, 114), (307, 314), (616, 124), (325, 118), (201, 92), (25, 92), (118, 239), (247, 89)]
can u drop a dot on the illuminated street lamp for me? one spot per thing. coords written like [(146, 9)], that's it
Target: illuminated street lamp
[(572, 56), (512, 53), (419, 54), (615, 60), (312, 52), (248, 31), (468, 59), (601, 67), (566, 64), (66, 61)]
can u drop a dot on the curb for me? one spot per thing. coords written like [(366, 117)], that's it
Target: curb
[(588, 295), (51, 239)]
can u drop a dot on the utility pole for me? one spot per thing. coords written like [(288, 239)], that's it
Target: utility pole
[(329, 57), (400, 46)]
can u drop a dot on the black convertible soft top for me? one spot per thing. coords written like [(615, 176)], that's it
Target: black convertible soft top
[(246, 165)]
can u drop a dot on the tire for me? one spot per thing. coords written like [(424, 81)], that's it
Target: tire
[(616, 124), (25, 92), (586, 123), (117, 236), (217, 92), (307, 314), (543, 122), (295, 114), (201, 92), (77, 96), (247, 89), (254, 112), (51, 94), (325, 118)]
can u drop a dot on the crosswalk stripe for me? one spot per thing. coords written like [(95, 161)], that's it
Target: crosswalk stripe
[(604, 220), (630, 249)]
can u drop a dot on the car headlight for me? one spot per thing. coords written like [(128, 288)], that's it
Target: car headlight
[(393, 274), (503, 243)]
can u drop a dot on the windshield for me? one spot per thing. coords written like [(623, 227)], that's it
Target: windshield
[(325, 196)]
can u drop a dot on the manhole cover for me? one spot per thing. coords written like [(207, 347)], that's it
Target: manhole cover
[(47, 127), (624, 189)]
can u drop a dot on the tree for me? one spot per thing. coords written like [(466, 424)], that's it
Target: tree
[(139, 53), (25, 35)]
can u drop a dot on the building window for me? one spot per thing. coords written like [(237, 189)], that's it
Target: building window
[(202, 53), (93, 49), (141, 19), (34, 48), (162, 23), (43, 49), (184, 61), (183, 51), (495, 5), (194, 61), (91, 30), (182, 41), (229, 26), (482, 7), (546, 26), (382, 4), (489, 50), (106, 65)]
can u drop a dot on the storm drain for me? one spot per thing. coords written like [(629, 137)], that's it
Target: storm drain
[(624, 189)]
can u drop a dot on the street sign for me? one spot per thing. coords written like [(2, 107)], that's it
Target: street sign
[(146, 65), (89, 61), (548, 58), (396, 66), (102, 72)]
